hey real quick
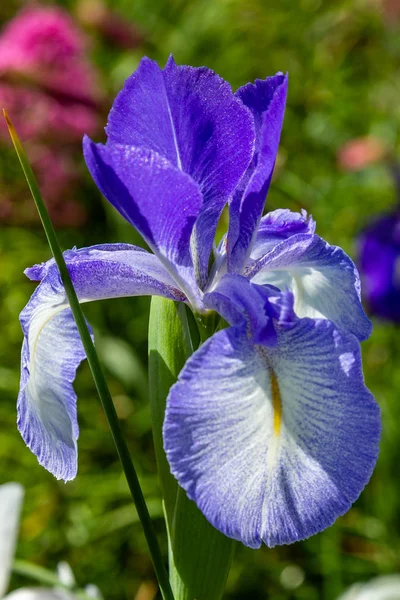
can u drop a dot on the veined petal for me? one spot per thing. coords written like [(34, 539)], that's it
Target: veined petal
[(191, 117), (323, 279), (278, 225), (52, 349), (158, 199), (241, 302), (11, 496), (273, 444), (266, 99)]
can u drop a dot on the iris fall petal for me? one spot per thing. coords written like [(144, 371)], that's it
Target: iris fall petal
[(52, 348), (273, 444)]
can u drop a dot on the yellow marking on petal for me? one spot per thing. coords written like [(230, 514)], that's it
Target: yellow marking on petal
[(276, 404)]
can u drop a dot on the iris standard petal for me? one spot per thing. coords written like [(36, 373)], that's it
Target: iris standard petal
[(11, 496), (191, 117), (52, 349), (273, 444), (323, 279), (266, 99), (158, 199), (278, 225)]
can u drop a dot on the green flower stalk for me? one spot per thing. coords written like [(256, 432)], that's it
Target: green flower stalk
[(200, 556)]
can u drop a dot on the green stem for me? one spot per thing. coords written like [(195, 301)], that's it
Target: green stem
[(200, 556), (207, 325), (98, 375)]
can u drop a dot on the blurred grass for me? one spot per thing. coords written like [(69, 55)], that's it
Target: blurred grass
[(343, 59)]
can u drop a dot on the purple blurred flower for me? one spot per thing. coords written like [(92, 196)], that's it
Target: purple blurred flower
[(379, 260), (269, 428)]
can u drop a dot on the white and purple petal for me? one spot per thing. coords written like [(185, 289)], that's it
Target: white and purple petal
[(278, 225), (52, 349), (273, 444), (11, 496), (323, 279), (190, 117), (266, 99)]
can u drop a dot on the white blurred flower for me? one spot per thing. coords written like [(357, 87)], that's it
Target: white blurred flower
[(11, 496), (381, 588)]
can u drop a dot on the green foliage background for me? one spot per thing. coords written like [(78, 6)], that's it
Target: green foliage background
[(343, 59)]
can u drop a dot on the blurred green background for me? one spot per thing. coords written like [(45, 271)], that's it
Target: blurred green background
[(343, 59)]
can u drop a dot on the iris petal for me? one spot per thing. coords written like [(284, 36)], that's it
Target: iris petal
[(52, 349), (161, 201), (190, 117), (323, 279), (277, 226), (273, 444), (241, 302), (266, 99)]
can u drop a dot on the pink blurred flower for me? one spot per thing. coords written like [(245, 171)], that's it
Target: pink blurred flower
[(390, 10), (358, 153), (42, 45), (38, 115), (50, 90), (57, 176)]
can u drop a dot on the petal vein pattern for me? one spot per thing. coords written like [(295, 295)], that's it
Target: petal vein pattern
[(190, 117), (161, 201), (52, 349), (323, 279), (277, 226), (266, 100), (254, 480)]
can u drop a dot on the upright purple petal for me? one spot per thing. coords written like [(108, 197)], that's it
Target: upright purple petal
[(52, 349), (273, 444), (190, 117), (266, 99), (161, 201)]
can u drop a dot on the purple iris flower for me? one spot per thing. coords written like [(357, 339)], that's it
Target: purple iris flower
[(379, 259), (269, 428)]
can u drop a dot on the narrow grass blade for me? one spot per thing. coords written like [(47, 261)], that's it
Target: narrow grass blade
[(96, 370)]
